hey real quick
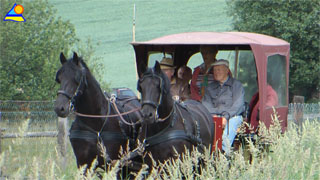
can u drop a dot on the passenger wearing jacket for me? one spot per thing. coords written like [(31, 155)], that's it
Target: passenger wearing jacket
[(225, 97)]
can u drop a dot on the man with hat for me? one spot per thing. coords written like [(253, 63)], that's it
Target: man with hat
[(225, 97), (166, 65)]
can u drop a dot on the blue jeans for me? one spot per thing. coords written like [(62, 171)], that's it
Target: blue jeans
[(227, 140)]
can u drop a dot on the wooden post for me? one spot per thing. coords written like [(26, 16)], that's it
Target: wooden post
[(134, 24), (134, 40), (63, 139), (0, 134), (0, 139), (0, 146), (298, 102)]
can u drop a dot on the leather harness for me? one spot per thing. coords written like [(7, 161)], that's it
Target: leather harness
[(168, 133)]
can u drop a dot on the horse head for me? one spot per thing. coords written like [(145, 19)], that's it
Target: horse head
[(153, 85), (72, 79)]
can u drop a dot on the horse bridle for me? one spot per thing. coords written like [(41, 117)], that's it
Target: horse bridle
[(162, 91), (79, 91)]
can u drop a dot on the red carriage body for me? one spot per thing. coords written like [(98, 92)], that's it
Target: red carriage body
[(256, 60)]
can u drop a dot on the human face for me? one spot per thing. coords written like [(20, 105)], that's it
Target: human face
[(208, 54), (169, 73), (220, 73), (180, 73)]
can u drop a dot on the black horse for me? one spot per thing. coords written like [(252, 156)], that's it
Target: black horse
[(168, 124), (98, 119)]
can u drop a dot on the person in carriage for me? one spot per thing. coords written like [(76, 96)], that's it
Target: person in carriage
[(202, 74), (271, 101), (166, 65), (224, 97), (181, 89)]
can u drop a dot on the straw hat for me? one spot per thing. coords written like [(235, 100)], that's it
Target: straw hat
[(167, 63)]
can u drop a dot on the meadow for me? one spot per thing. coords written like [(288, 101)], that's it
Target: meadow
[(292, 155), (109, 25)]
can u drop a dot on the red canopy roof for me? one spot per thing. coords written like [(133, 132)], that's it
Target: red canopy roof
[(228, 38)]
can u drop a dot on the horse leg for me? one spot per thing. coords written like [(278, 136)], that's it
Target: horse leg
[(86, 152)]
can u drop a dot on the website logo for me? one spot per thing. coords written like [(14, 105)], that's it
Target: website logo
[(15, 14)]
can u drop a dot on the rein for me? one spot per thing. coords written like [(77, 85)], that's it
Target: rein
[(107, 116), (79, 91), (112, 115), (165, 118)]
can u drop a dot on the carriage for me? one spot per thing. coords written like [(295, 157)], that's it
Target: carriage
[(257, 60)]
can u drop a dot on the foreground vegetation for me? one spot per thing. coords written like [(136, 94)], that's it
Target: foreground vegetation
[(292, 155)]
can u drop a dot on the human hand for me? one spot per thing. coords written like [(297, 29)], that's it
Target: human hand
[(224, 122)]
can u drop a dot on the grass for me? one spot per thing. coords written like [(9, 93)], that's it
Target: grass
[(109, 23), (294, 155), (35, 158)]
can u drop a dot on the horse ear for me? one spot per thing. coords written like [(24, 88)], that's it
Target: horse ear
[(75, 58), (62, 58), (157, 67)]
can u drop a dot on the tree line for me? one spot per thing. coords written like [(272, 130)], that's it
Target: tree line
[(296, 21), (29, 51)]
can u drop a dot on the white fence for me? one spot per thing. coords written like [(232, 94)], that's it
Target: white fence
[(310, 111)]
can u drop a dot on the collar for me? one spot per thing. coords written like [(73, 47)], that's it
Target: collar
[(224, 81), (228, 82)]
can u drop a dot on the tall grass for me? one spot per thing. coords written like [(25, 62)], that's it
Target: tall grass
[(294, 154)]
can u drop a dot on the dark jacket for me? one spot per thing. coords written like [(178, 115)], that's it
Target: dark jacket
[(226, 98)]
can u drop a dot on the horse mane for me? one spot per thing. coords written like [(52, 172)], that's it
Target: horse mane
[(89, 72)]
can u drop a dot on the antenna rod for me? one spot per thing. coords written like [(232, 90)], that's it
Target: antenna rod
[(133, 40), (134, 24)]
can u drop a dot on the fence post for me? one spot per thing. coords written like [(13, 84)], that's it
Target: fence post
[(0, 135), (0, 146), (0, 141), (298, 110), (63, 139)]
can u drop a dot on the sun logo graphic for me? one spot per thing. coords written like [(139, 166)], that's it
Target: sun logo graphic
[(15, 14)]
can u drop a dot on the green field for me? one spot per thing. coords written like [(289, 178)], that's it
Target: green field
[(109, 23)]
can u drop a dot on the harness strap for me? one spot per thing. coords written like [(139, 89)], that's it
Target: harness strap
[(195, 121), (89, 135), (69, 96), (171, 135)]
